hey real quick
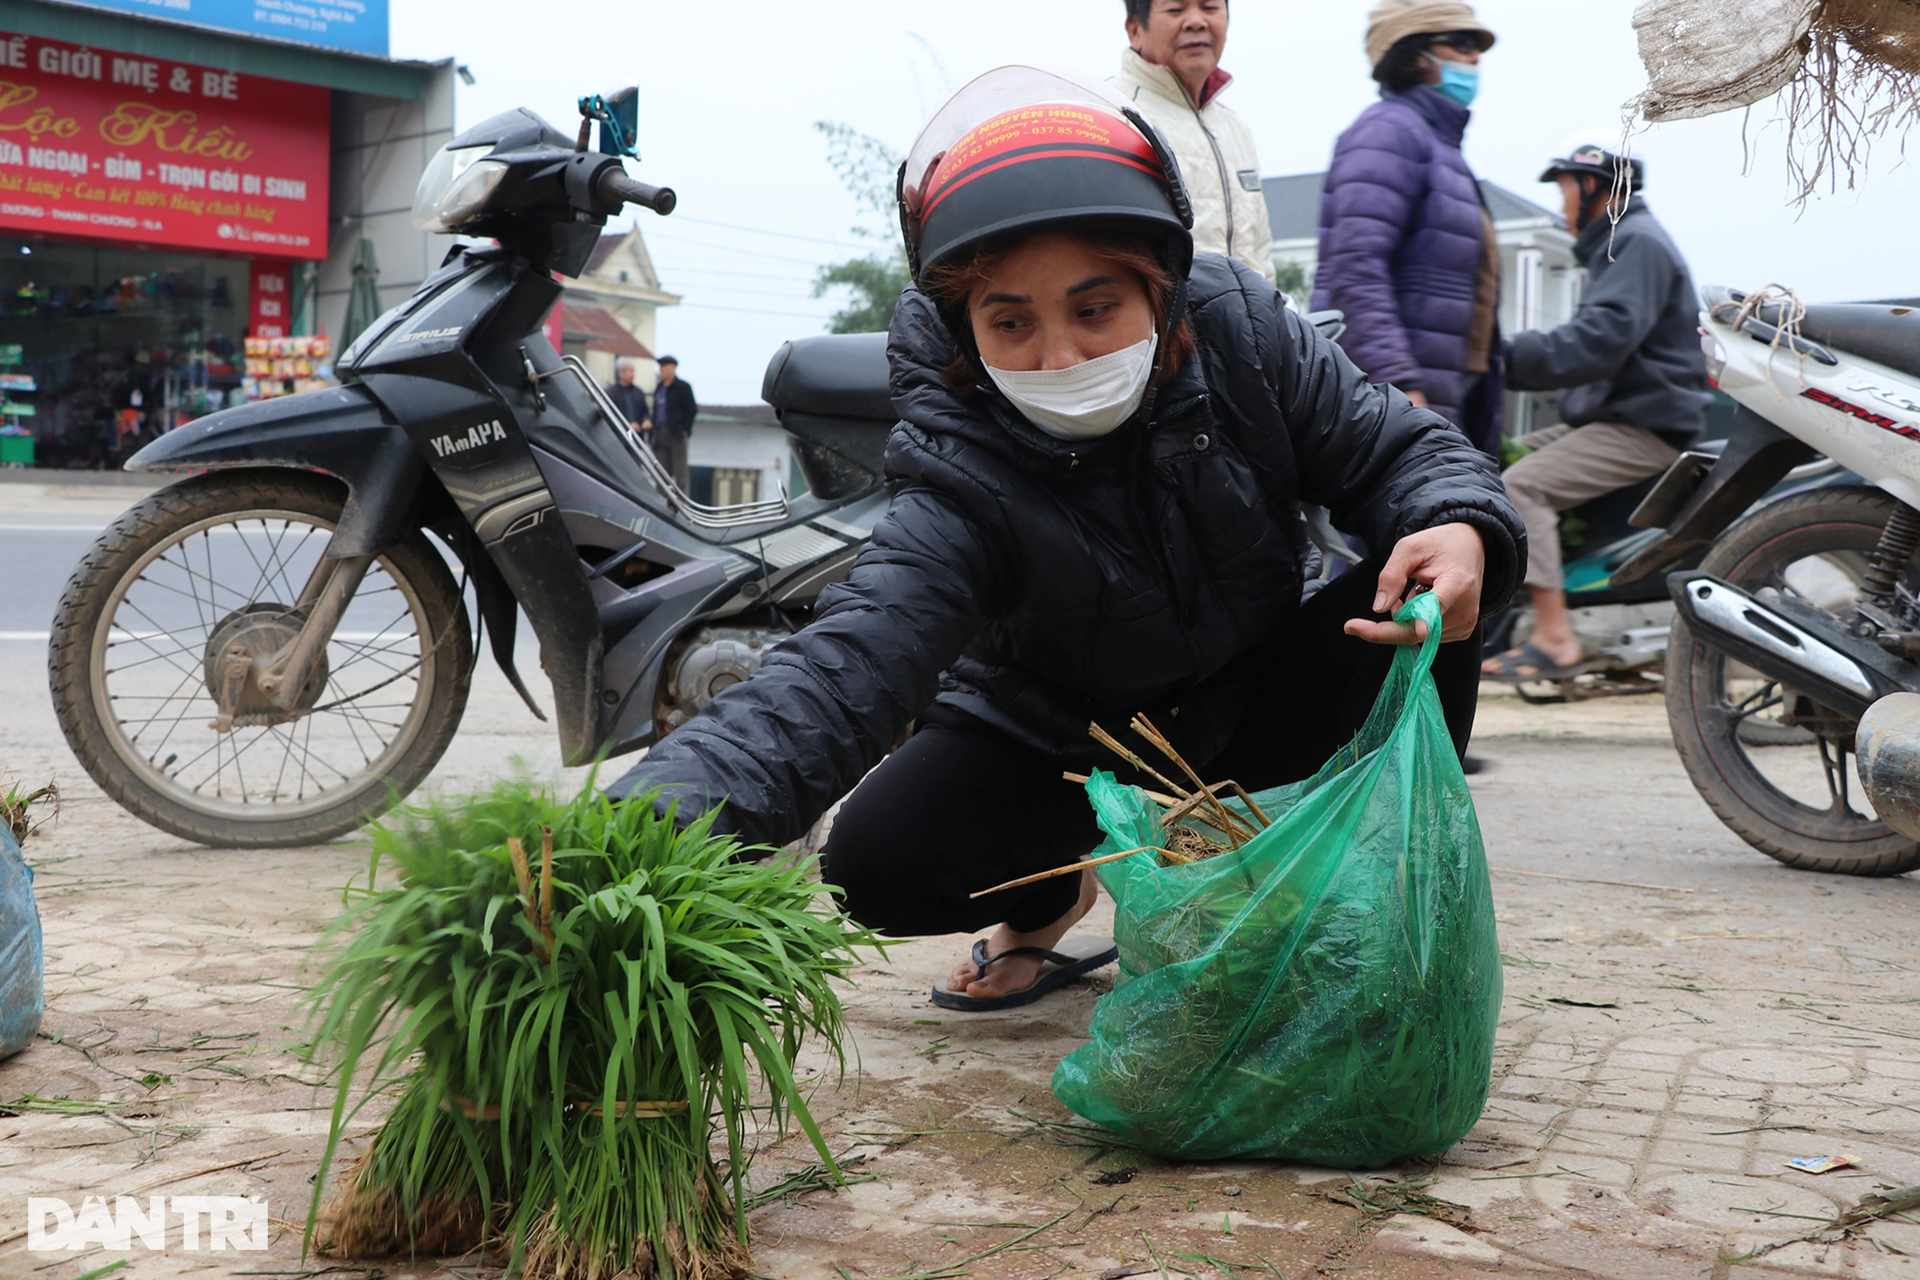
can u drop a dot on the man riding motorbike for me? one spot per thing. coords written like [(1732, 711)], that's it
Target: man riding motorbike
[(1094, 513), (1637, 383)]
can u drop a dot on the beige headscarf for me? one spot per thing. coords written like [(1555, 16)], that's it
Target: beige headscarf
[(1393, 20)]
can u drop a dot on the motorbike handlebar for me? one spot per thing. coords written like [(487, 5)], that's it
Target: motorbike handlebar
[(616, 187)]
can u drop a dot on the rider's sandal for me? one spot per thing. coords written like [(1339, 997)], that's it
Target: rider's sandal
[(1076, 956), (1532, 655)]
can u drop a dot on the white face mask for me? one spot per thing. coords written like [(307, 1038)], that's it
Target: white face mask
[(1085, 401)]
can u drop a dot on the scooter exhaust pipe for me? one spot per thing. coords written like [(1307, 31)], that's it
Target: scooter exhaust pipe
[(1887, 744), (1771, 638)]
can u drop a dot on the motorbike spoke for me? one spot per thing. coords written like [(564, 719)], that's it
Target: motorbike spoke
[(277, 564), (1758, 701), (371, 653), (239, 774), (156, 676), (1834, 764), (161, 586), (161, 631), (347, 716), (156, 655), (172, 724)]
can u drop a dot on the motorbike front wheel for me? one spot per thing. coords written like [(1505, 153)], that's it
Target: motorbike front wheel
[(221, 560), (1800, 804)]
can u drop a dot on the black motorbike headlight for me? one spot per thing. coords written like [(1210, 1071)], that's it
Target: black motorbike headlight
[(456, 186)]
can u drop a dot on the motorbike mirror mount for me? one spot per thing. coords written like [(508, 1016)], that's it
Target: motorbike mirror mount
[(618, 115)]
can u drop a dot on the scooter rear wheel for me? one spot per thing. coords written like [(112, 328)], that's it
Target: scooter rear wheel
[(218, 561), (1800, 804)]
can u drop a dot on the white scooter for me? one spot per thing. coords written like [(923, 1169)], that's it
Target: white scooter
[(1795, 640)]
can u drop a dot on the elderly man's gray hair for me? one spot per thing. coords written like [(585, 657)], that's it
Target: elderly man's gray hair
[(624, 362)]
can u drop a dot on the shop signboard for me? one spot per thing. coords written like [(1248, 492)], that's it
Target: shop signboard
[(357, 26), (271, 294), (142, 150)]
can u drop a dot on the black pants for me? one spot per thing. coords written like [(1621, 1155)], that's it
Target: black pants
[(671, 448), (962, 807)]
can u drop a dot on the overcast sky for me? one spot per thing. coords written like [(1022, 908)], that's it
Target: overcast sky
[(730, 89)]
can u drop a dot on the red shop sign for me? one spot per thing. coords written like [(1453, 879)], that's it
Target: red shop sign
[(123, 148), (271, 295)]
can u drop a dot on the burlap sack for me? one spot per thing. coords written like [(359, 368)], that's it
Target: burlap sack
[(1705, 56), (1850, 71)]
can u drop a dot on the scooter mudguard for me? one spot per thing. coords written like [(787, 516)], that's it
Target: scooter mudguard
[(482, 458), (340, 431), (1757, 457)]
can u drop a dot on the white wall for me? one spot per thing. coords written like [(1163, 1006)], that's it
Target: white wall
[(749, 446), (380, 148)]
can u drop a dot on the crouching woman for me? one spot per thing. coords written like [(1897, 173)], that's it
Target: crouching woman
[(1095, 490)]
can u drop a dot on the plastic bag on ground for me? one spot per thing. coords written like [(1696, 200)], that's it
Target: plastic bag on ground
[(22, 996), (1328, 992)]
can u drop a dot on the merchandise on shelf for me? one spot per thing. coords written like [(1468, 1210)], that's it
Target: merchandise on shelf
[(287, 366)]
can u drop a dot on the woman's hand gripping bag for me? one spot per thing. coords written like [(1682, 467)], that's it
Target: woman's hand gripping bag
[(22, 996), (1326, 993)]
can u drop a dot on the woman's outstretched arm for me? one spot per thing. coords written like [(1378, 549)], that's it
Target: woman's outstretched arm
[(782, 746)]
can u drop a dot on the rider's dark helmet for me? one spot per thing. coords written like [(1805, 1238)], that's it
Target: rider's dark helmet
[(1019, 150), (1597, 152)]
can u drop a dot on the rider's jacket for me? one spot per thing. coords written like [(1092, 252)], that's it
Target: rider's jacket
[(1031, 585), (1631, 353)]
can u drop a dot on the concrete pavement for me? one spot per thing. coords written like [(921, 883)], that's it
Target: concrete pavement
[(1682, 1016)]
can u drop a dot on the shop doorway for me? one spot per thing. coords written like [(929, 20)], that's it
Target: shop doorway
[(122, 345)]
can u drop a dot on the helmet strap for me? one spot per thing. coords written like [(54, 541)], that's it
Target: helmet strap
[(1592, 203), (1176, 312)]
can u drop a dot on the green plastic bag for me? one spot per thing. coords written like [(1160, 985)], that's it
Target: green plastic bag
[(1328, 992)]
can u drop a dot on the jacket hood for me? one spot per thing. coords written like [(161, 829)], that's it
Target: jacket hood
[(1163, 82), (920, 347), (1447, 118)]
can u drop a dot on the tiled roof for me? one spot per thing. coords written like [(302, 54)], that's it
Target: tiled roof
[(595, 326), (609, 242)]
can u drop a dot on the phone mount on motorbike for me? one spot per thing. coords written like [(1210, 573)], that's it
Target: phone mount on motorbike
[(618, 115)]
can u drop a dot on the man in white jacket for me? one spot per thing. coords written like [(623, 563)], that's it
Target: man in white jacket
[(1172, 73)]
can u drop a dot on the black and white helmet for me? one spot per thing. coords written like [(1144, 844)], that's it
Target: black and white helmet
[(1597, 151)]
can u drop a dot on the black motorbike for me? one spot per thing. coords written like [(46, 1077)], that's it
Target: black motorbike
[(270, 651)]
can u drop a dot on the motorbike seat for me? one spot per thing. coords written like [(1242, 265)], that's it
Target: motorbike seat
[(1883, 334), (835, 376)]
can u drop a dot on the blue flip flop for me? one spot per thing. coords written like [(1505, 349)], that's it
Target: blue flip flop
[(1076, 956)]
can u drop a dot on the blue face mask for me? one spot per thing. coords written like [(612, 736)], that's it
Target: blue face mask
[(1459, 81)]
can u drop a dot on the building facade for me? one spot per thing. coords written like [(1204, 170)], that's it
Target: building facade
[(1540, 282), (171, 189), (619, 282)]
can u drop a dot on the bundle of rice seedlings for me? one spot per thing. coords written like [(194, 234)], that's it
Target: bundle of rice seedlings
[(574, 1000)]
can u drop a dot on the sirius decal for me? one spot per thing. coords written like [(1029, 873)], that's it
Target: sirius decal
[(1852, 410)]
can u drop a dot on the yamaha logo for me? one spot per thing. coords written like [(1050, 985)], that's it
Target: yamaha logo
[(486, 433)]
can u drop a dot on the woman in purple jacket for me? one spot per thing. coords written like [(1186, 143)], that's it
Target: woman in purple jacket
[(1406, 246)]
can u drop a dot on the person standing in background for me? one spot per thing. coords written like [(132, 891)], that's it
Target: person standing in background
[(628, 398), (1407, 247), (1172, 73), (674, 410)]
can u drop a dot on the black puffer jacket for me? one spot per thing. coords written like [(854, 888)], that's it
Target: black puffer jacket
[(1056, 582)]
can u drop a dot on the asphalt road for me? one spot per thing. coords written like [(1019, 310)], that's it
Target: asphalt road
[(37, 552)]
